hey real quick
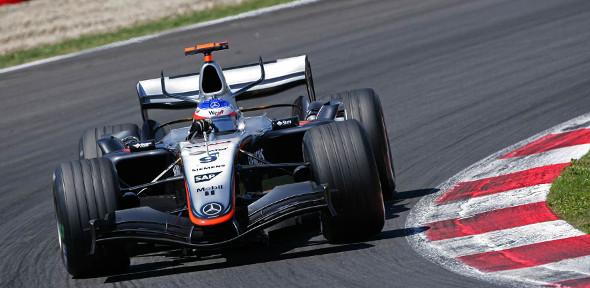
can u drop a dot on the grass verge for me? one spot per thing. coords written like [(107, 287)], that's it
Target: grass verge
[(95, 40), (569, 197)]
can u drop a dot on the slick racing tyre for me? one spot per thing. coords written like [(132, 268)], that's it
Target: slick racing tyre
[(84, 190), (341, 157), (89, 148), (364, 106)]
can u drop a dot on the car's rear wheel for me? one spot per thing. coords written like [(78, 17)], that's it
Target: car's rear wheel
[(341, 157), (364, 106), (88, 143), (84, 190)]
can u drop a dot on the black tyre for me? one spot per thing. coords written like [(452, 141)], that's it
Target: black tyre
[(84, 190), (364, 106), (341, 157), (89, 148)]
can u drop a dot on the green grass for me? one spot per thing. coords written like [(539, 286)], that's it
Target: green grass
[(94, 40), (569, 197)]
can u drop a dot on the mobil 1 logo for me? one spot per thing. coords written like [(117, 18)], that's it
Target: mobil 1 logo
[(205, 177)]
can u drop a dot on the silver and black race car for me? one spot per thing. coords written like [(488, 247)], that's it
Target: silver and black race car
[(225, 177)]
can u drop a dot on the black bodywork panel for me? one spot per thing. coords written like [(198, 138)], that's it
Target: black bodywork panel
[(150, 225)]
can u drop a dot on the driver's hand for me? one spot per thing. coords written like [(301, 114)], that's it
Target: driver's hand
[(198, 127)]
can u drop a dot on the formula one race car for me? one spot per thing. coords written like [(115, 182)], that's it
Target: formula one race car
[(206, 186)]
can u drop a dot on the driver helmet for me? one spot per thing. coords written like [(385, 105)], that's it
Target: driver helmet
[(220, 113)]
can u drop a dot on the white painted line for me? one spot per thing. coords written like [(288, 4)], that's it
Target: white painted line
[(140, 39), (477, 205), (573, 268), (511, 165), (507, 238)]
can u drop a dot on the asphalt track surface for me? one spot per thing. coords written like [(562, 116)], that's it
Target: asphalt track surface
[(458, 80)]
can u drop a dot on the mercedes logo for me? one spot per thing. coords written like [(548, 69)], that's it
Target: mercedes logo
[(211, 209), (214, 105)]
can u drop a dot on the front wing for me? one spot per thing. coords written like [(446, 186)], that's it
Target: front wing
[(149, 225)]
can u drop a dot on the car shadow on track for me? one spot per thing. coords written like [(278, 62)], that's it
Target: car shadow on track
[(398, 205), (292, 243), (253, 255)]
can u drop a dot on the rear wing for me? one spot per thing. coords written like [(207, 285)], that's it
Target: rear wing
[(281, 74)]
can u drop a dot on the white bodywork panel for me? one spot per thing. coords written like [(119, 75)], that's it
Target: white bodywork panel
[(205, 175), (209, 173), (277, 73)]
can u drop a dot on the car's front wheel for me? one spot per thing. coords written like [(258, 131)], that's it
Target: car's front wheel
[(364, 106), (341, 157), (84, 190)]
